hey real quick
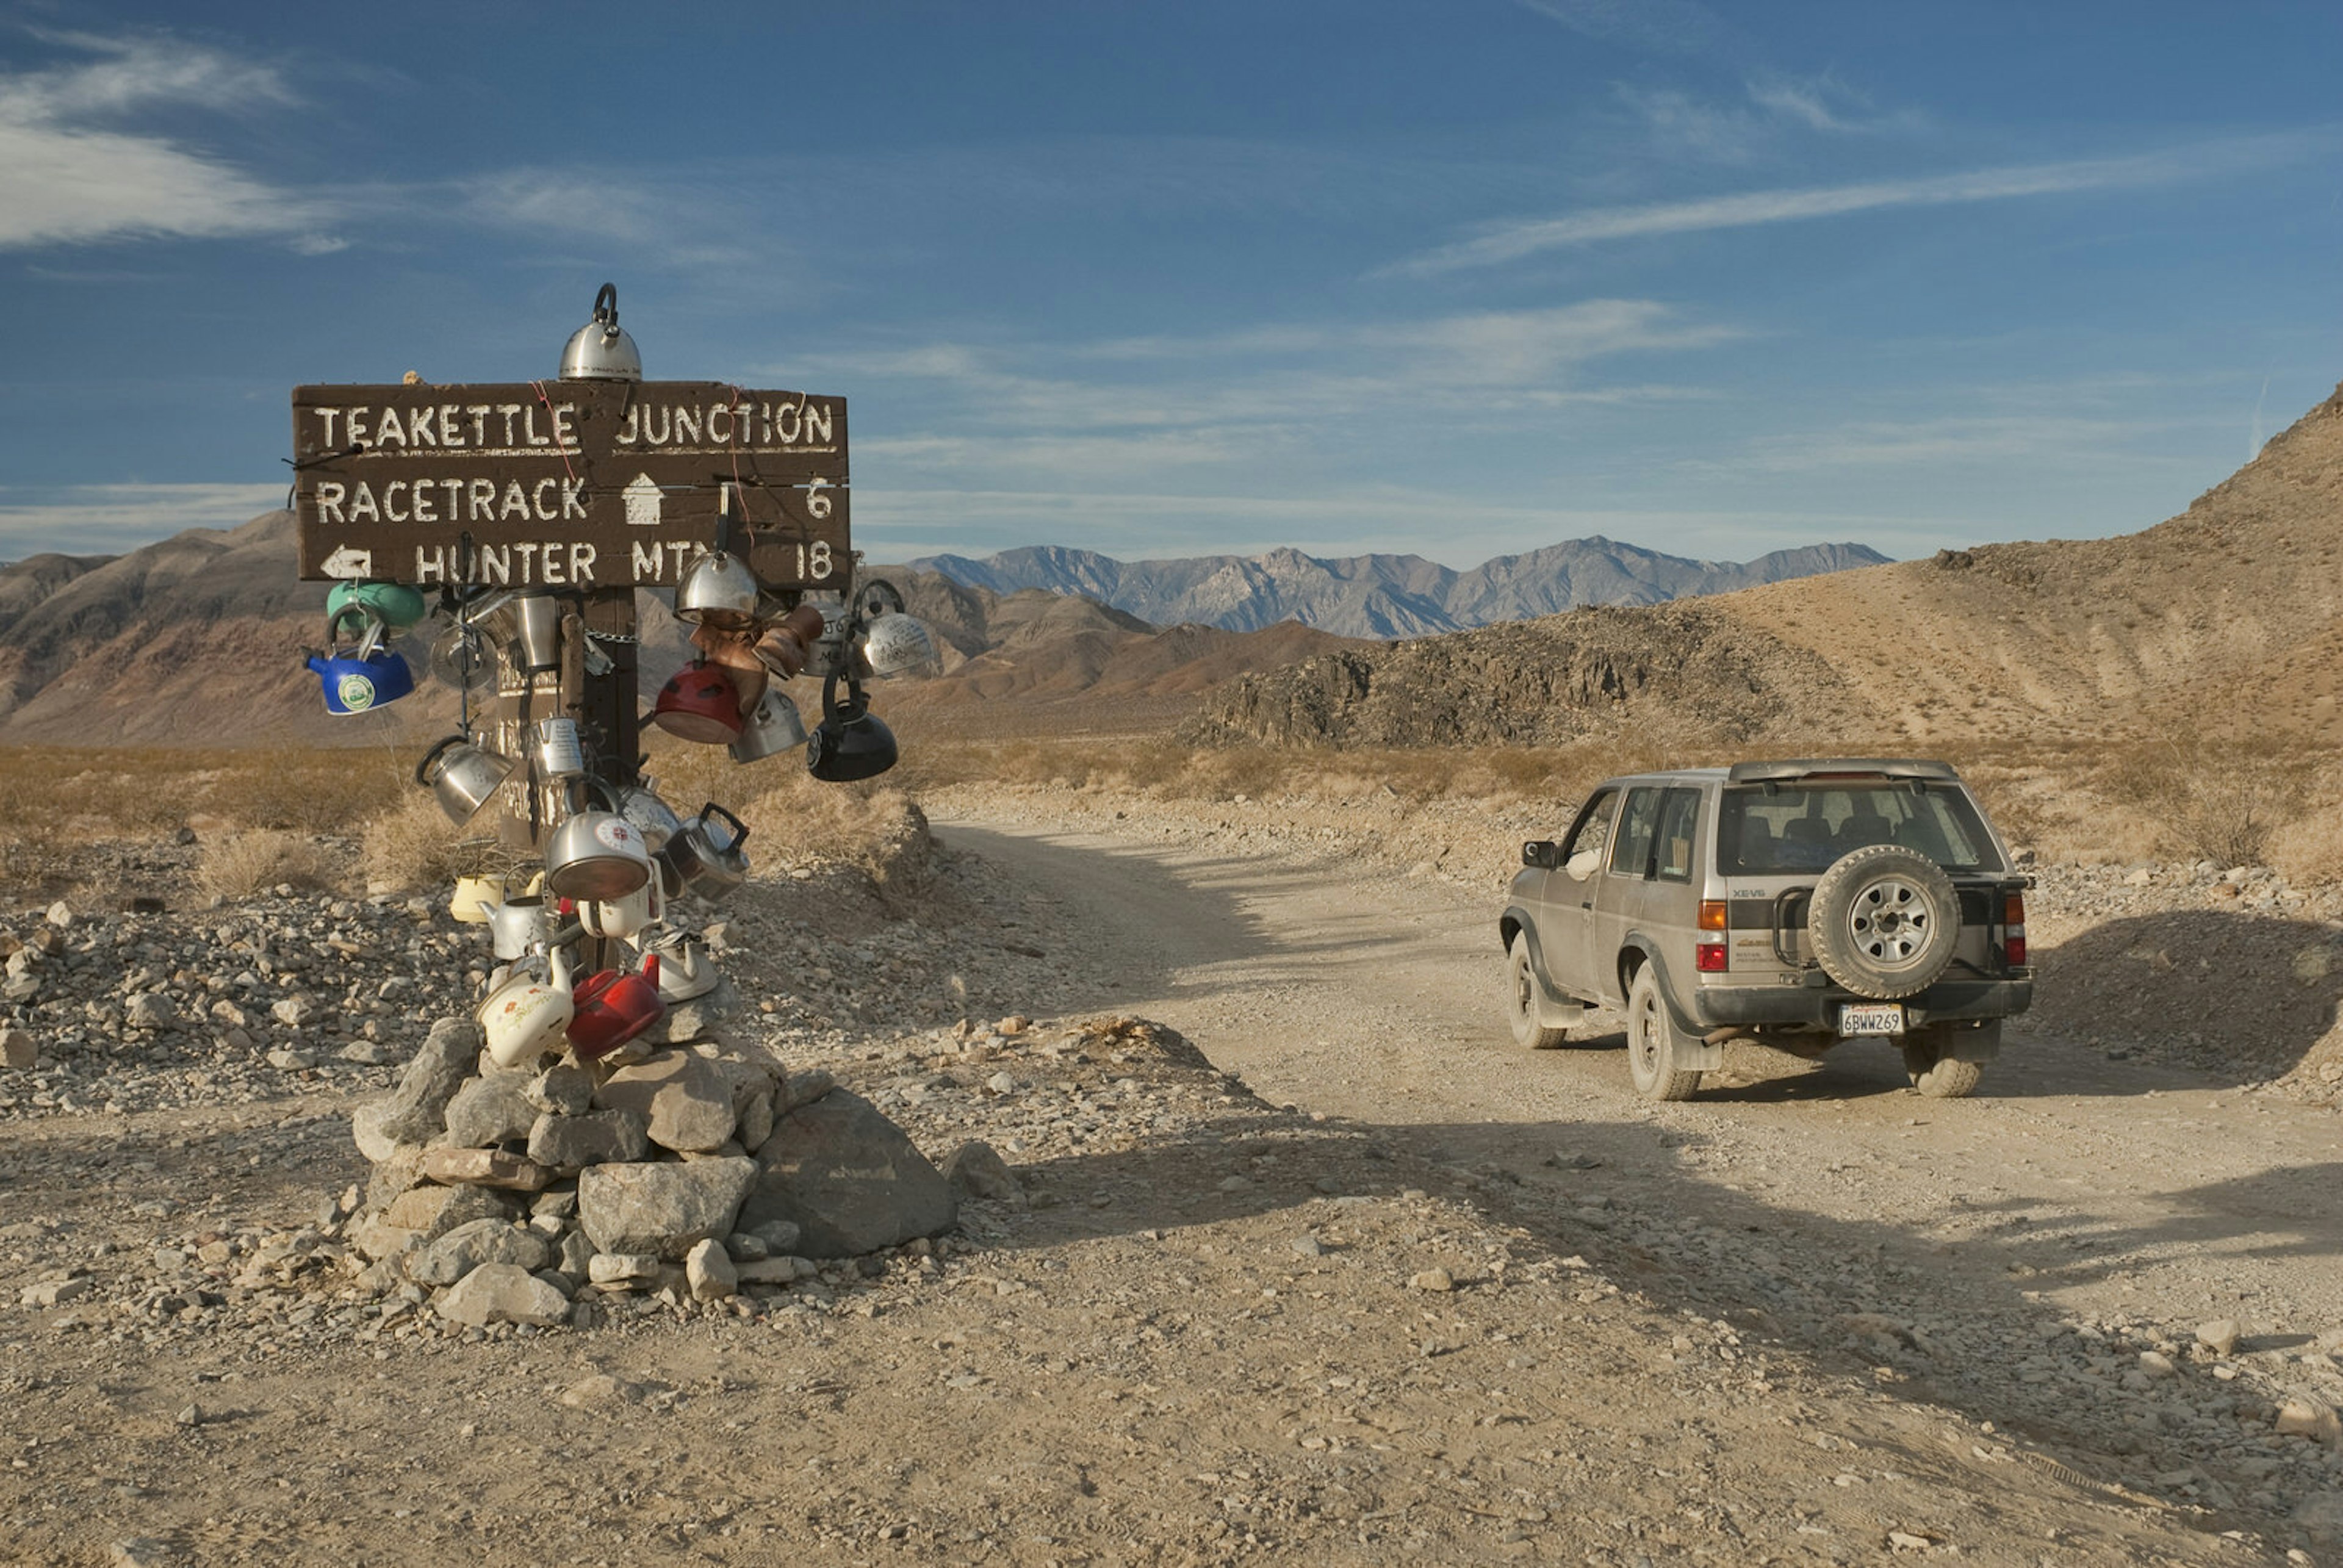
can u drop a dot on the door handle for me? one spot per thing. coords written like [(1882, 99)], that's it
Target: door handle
[(1586, 904)]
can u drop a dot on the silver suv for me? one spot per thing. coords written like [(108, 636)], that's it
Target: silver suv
[(1801, 903)]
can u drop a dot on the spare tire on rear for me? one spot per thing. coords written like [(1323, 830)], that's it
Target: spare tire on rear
[(1883, 920)]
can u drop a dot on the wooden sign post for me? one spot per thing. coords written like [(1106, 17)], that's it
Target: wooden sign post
[(586, 490)]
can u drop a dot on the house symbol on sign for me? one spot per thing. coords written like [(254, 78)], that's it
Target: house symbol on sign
[(642, 497)]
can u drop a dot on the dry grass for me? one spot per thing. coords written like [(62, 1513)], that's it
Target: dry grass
[(414, 848), (2087, 802), (241, 865), (2211, 800), (791, 816), (1157, 768), (2241, 803), (143, 792), (2309, 851)]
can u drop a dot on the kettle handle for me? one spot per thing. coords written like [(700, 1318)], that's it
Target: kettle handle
[(739, 829), (856, 704), (370, 629), (423, 769)]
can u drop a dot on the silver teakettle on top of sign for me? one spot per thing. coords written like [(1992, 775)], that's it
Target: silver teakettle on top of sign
[(602, 350)]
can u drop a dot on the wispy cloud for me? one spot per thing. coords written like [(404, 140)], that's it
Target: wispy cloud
[(1277, 408), (1826, 104), (1283, 375), (1972, 441), (1773, 113), (67, 176), (1666, 26), (1504, 242), (105, 519)]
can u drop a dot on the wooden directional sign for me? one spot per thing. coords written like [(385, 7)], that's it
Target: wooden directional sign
[(566, 484)]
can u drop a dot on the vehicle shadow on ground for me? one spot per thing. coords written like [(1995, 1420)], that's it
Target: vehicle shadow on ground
[(1879, 1306), (2248, 997), (2031, 1065)]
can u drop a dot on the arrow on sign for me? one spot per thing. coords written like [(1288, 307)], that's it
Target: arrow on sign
[(347, 562)]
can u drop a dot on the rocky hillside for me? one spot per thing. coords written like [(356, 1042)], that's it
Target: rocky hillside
[(192, 640), (198, 640), (2226, 619), (1382, 596)]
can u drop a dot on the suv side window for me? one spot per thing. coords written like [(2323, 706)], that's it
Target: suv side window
[(1672, 847), (1631, 846), (1593, 828)]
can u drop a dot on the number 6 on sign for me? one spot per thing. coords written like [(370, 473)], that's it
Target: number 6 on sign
[(817, 504)]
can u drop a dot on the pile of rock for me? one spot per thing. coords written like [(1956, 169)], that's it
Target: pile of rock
[(694, 1170)]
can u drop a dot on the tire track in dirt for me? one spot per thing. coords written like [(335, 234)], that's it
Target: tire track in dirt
[(2018, 1251)]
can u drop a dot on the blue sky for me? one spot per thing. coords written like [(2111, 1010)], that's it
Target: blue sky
[(1455, 278)]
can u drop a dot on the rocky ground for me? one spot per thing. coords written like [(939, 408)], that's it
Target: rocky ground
[(1237, 1303)]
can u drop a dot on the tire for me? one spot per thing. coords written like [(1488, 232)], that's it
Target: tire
[(1652, 1053), (1883, 920), (1522, 999), (1932, 1071)]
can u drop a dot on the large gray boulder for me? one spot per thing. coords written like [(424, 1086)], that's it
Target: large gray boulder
[(470, 1245), (597, 1138), (433, 1210), (503, 1293), (682, 1097), (490, 1109), (419, 1105), (851, 1180), (660, 1207)]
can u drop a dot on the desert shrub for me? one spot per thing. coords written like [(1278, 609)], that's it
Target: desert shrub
[(413, 846), (241, 865), (142, 791), (308, 791), (2309, 849), (2210, 799), (796, 817)]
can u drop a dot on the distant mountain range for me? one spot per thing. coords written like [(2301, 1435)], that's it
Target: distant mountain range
[(197, 639), (1382, 596)]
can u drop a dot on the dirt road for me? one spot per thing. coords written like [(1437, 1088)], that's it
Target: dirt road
[(2020, 1256), (1465, 1304)]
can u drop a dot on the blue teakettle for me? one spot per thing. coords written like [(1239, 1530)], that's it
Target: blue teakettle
[(365, 676)]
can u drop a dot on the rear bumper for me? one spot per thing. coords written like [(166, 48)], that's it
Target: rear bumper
[(1723, 1006)]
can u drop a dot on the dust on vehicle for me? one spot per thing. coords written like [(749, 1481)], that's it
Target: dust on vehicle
[(1801, 903)]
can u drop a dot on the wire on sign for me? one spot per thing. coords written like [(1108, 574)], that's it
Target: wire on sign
[(555, 420)]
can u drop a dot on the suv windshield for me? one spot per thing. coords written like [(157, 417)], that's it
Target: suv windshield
[(1794, 828)]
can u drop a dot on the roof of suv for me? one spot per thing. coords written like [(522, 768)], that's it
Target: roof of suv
[(1783, 772)]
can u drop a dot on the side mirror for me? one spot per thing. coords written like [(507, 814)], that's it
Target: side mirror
[(1543, 854)]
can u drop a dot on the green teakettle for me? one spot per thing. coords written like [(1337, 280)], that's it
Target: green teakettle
[(395, 605)]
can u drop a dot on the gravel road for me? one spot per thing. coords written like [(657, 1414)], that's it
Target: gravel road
[(2039, 1257), (1318, 1267)]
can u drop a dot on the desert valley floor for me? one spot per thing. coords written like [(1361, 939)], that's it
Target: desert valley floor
[(1307, 1261)]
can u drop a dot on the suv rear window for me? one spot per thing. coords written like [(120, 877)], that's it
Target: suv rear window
[(1794, 828)]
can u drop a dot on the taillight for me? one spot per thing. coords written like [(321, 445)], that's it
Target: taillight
[(2013, 917), (1709, 958)]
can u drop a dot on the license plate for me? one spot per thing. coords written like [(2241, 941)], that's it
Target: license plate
[(1870, 1017)]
